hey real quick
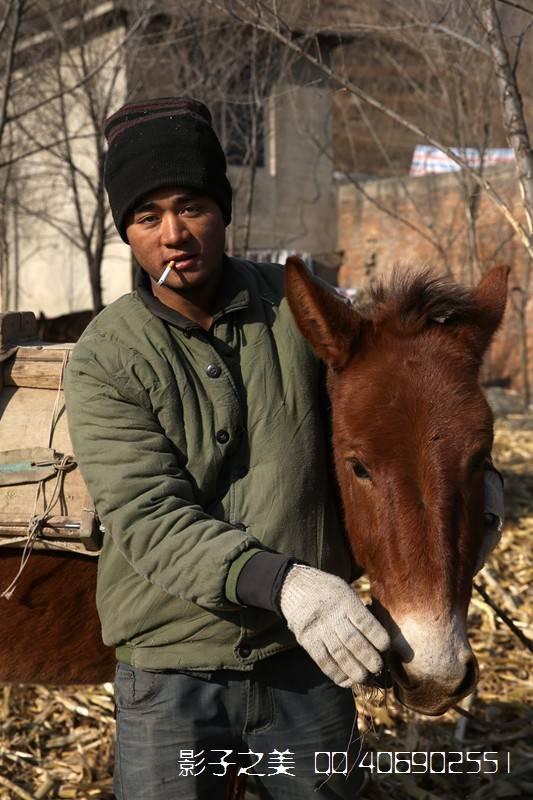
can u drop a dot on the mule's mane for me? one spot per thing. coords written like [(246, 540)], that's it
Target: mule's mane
[(412, 297)]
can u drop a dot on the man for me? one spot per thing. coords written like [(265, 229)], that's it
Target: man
[(195, 411)]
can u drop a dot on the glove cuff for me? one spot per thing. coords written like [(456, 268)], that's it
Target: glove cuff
[(299, 581)]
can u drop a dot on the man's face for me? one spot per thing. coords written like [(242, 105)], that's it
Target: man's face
[(179, 225)]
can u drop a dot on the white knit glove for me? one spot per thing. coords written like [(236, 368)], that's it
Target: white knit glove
[(332, 624)]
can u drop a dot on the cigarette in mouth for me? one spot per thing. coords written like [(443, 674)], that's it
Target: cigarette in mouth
[(163, 277)]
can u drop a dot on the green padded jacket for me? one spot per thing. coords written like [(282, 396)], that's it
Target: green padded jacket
[(200, 450)]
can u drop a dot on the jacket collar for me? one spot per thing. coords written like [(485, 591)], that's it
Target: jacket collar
[(233, 295)]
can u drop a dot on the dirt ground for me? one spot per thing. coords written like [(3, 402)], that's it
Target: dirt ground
[(58, 743)]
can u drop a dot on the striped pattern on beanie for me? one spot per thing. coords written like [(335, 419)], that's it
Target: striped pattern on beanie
[(136, 113)]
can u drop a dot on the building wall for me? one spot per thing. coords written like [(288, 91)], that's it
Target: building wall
[(294, 198), (374, 242), (47, 270), (293, 207)]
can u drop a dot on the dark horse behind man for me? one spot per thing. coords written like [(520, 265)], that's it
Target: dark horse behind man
[(65, 328)]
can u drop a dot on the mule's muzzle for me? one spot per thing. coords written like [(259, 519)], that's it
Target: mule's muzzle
[(429, 696), (398, 674), (470, 679)]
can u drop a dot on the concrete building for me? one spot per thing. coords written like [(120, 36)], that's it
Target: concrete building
[(284, 195)]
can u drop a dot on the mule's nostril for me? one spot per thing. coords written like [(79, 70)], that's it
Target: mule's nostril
[(398, 671), (469, 679)]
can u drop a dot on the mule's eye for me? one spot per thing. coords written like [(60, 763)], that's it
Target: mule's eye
[(478, 461), (359, 469)]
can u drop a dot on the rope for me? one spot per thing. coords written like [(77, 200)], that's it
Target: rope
[(526, 641), (36, 522)]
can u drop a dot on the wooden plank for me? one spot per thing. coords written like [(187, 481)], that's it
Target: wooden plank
[(53, 528), (32, 374), (43, 352), (57, 529), (27, 404), (7, 518), (53, 545), (37, 367)]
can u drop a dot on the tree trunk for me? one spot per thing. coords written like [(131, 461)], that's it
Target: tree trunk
[(95, 277), (518, 137)]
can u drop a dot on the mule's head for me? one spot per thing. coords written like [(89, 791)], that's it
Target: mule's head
[(411, 433)]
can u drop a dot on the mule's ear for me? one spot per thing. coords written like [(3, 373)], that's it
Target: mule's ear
[(490, 296), (329, 325)]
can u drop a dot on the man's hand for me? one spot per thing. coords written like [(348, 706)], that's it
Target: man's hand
[(332, 625)]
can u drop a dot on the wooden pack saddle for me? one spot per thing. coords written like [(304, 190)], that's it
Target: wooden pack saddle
[(44, 502)]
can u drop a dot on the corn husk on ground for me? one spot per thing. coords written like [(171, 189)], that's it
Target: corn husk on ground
[(58, 743)]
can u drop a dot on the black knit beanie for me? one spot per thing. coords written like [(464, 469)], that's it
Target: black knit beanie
[(168, 141)]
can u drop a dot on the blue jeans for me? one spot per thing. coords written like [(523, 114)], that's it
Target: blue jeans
[(177, 733)]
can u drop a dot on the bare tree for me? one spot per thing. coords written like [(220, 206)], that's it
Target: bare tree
[(10, 24), (58, 128), (57, 121), (12, 13), (300, 36), (516, 128)]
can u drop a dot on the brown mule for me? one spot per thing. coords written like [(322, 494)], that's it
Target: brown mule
[(411, 433)]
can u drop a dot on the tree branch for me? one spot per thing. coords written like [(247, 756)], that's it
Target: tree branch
[(512, 107), (291, 43), (17, 6), (68, 90), (516, 5)]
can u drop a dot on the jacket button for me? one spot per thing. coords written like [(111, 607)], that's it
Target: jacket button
[(213, 370), (244, 650), (240, 526), (222, 436)]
